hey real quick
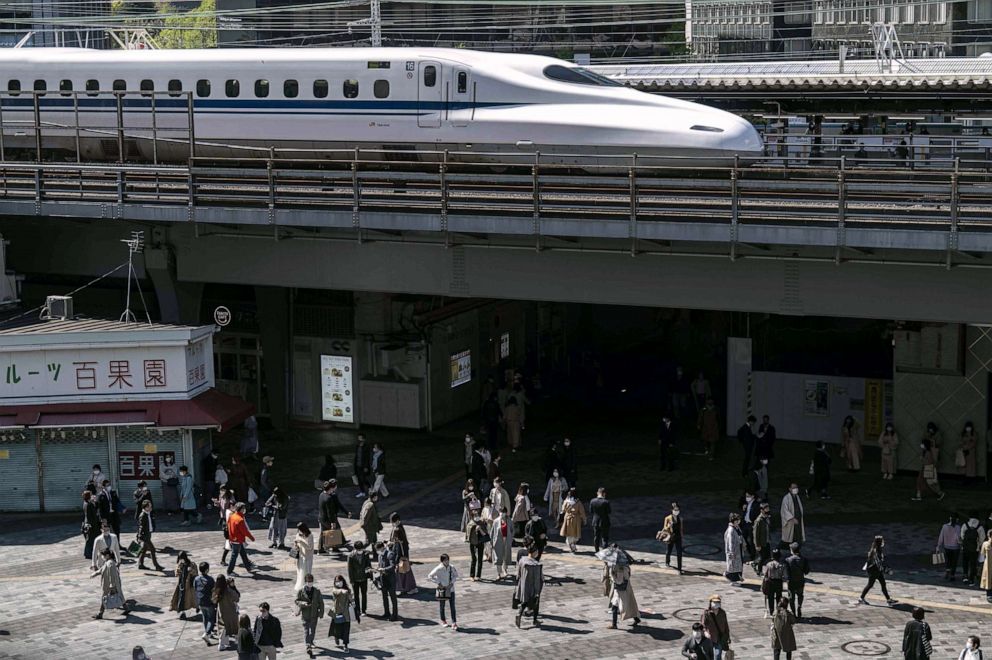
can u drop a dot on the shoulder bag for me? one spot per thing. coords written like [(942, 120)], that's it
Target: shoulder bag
[(294, 552), (403, 565)]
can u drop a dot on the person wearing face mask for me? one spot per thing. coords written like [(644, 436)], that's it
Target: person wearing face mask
[(536, 530), (406, 583), (783, 636), (502, 540), (499, 496), (772, 580), (387, 559), (876, 568), (107, 540), (949, 542), (168, 475), (573, 518), (793, 518), (673, 530), (268, 633), (141, 495), (917, 639), (750, 509), (927, 479), (95, 480), (569, 462), (697, 647), (444, 575), (889, 442), (555, 492), (310, 605), (850, 442), (972, 649), (733, 548), (972, 537), (796, 570), (716, 628), (343, 614), (470, 496), (936, 440), (968, 452), (762, 538)]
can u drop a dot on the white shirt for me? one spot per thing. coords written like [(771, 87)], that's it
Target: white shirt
[(443, 576)]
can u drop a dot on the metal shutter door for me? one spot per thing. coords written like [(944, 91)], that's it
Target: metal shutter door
[(19, 473), (134, 440), (67, 464)]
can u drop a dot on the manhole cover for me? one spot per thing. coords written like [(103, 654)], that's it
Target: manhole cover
[(702, 550), (866, 647), (690, 614)]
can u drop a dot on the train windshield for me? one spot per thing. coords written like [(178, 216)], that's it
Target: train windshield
[(578, 75)]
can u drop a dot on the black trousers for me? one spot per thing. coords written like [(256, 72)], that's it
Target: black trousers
[(952, 561), (764, 556), (876, 576), (667, 458), (475, 570), (147, 547), (796, 600), (601, 536), (773, 596), (534, 605), (677, 545), (361, 595), (747, 530), (969, 564), (389, 596)]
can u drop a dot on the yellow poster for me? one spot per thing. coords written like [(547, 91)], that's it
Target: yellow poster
[(874, 396), (151, 449)]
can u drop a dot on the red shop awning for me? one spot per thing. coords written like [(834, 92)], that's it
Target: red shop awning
[(212, 409)]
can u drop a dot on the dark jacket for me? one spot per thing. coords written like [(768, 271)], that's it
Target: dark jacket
[(747, 438), (246, 644), (359, 563), (140, 497), (91, 517), (363, 458), (537, 530), (146, 523), (104, 505), (599, 507), (208, 468), (765, 445), (797, 568), (329, 507), (703, 648), (380, 466), (203, 585), (268, 632), (478, 470), (666, 434), (912, 640), (821, 465), (387, 568)]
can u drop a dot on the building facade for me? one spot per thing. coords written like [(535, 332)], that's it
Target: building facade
[(728, 29)]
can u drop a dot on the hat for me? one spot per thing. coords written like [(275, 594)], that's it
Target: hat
[(715, 598)]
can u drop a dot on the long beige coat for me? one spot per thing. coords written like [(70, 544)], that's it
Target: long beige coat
[(624, 599), (575, 518), (969, 443), (987, 566), (888, 443)]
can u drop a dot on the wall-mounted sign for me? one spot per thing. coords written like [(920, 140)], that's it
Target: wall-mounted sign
[(816, 398), (336, 389), (222, 316), (504, 345), (461, 368)]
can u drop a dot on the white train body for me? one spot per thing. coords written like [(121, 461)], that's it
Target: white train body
[(303, 101)]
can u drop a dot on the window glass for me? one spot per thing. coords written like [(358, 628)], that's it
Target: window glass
[(40, 86), (350, 89), (380, 89), (291, 89), (232, 88), (462, 82), (147, 85), (203, 88), (119, 86), (175, 87), (14, 86), (92, 87), (578, 75), (430, 76), (261, 88), (65, 86), (320, 89)]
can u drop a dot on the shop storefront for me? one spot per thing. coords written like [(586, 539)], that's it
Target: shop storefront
[(75, 393)]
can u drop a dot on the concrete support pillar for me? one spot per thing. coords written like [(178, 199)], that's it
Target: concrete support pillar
[(178, 302), (273, 327)]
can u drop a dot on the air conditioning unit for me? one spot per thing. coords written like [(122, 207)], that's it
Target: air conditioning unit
[(58, 308)]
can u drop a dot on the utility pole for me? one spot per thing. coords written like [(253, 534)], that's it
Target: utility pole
[(374, 21)]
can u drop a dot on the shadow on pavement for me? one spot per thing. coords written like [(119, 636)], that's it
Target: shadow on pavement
[(413, 623), (824, 621), (563, 619), (658, 634), (562, 629), (478, 631)]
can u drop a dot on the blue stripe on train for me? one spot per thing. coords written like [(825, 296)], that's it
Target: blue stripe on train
[(47, 103)]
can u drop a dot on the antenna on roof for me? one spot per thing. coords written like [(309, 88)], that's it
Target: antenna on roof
[(374, 21), (135, 245)]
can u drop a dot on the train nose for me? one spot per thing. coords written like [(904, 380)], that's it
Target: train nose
[(724, 133)]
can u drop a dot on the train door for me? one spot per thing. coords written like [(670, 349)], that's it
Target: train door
[(461, 98), (429, 95)]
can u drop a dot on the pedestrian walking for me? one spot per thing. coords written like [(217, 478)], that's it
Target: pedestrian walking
[(877, 569), (310, 605), (328, 471), (530, 582), (444, 576), (972, 649), (916, 637), (343, 613), (362, 464), (820, 469), (966, 456), (265, 485), (793, 517), (278, 507), (468, 449), (709, 427), (716, 627), (203, 589), (850, 442), (268, 633), (936, 440), (112, 593), (105, 507), (521, 512), (554, 493), (767, 435), (238, 480), (697, 647), (972, 538), (889, 443), (225, 598), (499, 496), (599, 509), (796, 570), (620, 591), (208, 474), (239, 534), (359, 571), (536, 531), (470, 499), (502, 541), (302, 552), (673, 534), (949, 542), (757, 481), (107, 540), (90, 527), (368, 519), (406, 582), (493, 471), (184, 595), (477, 537), (187, 498), (667, 443), (927, 479), (747, 438), (763, 538), (479, 469), (249, 441), (329, 507), (117, 508), (783, 636), (750, 510), (512, 422), (573, 518), (388, 557), (379, 470), (247, 649), (570, 462), (146, 527), (772, 581), (733, 548)]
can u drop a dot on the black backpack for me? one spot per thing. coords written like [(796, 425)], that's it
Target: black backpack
[(970, 538)]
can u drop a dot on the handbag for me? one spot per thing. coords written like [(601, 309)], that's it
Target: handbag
[(937, 558), (664, 536), (442, 593), (403, 565), (340, 618), (252, 495), (929, 473), (134, 547), (294, 552), (959, 459)]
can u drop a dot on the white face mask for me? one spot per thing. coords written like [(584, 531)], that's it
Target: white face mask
[(970, 646), (794, 491), (697, 635), (96, 471), (749, 498), (555, 474), (568, 444), (675, 512), (764, 461), (309, 585), (715, 606)]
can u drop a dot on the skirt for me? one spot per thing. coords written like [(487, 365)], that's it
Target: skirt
[(405, 582)]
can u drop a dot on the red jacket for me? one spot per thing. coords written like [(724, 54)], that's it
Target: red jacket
[(237, 529)]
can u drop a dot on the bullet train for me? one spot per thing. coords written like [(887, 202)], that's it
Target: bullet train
[(304, 102)]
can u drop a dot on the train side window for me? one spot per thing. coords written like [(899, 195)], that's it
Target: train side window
[(232, 88), (203, 88), (291, 89), (430, 76), (350, 89), (320, 89), (380, 88), (92, 87), (65, 86), (14, 87), (462, 82), (175, 87), (146, 86), (261, 88), (40, 86), (119, 86)]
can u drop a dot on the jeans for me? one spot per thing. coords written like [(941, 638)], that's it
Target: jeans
[(717, 651), (380, 486), (475, 569), (361, 590), (451, 601), (238, 549), (277, 530), (209, 615), (309, 631), (601, 536), (677, 545), (267, 652)]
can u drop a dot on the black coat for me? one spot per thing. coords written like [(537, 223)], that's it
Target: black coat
[(380, 467), (765, 445), (268, 632), (329, 507), (140, 497), (363, 458), (104, 505), (91, 517), (821, 466), (359, 564), (797, 568), (747, 438), (146, 521), (208, 468), (478, 470), (912, 640), (599, 507), (666, 434)]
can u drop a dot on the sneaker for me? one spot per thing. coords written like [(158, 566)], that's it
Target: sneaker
[(916, 499), (611, 627), (203, 636), (454, 626), (891, 601), (862, 601), (359, 496), (942, 496), (444, 623)]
